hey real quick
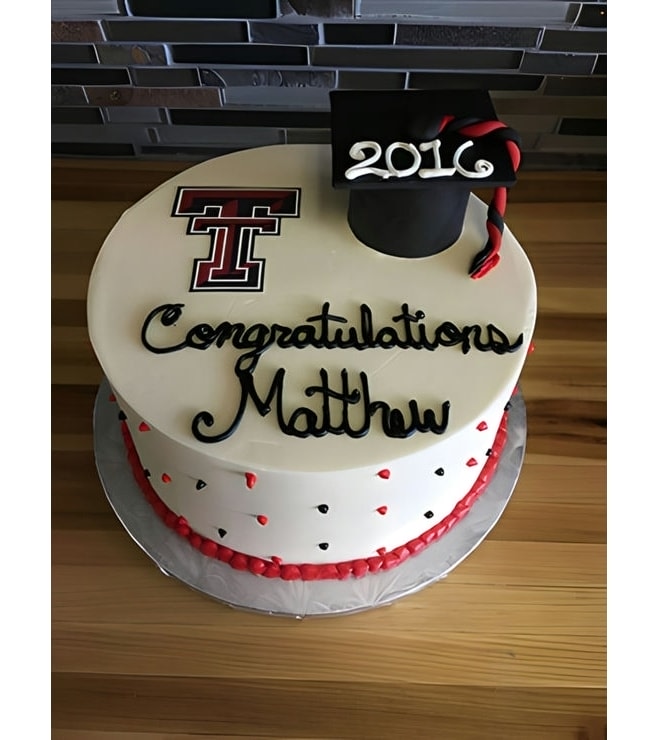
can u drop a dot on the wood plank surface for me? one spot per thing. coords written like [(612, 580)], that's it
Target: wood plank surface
[(511, 645)]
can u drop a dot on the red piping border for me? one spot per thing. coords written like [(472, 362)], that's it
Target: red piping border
[(310, 571)]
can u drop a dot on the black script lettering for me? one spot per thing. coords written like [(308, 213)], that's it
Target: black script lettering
[(305, 422)]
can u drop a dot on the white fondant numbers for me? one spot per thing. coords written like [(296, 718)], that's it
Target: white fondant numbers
[(481, 168)]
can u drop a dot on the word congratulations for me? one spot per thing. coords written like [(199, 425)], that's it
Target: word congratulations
[(324, 331), (482, 167)]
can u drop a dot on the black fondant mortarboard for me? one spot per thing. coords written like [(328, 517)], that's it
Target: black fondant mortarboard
[(410, 159)]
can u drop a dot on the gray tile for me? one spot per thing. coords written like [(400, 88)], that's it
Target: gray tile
[(283, 33), (511, 12), (67, 95), (226, 77), (355, 80), (162, 97), (165, 76), (549, 63), (185, 31), (234, 136), (575, 40), (128, 54), (537, 104), (278, 97), (72, 31), (415, 59), (66, 9), (588, 86), (517, 37), (135, 114), (110, 132), (73, 54), (318, 8), (532, 124)]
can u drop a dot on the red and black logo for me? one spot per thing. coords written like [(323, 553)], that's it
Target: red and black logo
[(232, 217)]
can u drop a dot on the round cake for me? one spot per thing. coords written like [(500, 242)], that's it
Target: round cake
[(294, 402)]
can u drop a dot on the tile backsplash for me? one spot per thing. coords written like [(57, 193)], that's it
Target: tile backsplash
[(190, 79)]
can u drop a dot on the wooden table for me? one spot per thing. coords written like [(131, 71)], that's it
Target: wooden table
[(512, 645)]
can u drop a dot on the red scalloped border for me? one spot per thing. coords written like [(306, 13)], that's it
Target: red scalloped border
[(310, 571)]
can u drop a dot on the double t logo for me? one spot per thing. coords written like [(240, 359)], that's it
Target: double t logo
[(232, 217)]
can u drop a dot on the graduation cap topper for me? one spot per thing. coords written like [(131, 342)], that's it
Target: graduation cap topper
[(410, 159)]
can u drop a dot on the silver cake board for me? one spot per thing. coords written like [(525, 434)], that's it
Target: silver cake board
[(176, 557)]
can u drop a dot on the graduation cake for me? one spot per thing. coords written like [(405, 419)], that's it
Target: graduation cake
[(312, 349)]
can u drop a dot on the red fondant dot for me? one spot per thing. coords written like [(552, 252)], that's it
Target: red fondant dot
[(381, 551), (250, 479), (272, 571), (171, 519), (482, 426), (471, 462), (224, 554), (112, 398), (531, 348), (290, 572), (382, 510), (144, 427), (262, 519), (276, 560), (385, 473), (166, 478)]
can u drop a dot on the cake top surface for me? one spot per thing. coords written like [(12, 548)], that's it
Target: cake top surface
[(221, 292)]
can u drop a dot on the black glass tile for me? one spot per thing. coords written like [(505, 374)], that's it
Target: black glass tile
[(203, 8), (63, 95), (88, 76), (601, 66), (73, 54), (576, 41), (583, 127), (358, 33), (208, 31), (75, 115), (429, 80), (593, 15), (92, 149), (240, 54), (283, 33), (282, 119), (549, 63), (467, 36)]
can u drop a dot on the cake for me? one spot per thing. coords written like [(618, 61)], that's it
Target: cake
[(298, 398)]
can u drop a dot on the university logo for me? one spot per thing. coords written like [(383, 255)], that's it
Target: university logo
[(232, 218)]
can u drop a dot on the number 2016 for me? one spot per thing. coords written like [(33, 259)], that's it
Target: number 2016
[(482, 168)]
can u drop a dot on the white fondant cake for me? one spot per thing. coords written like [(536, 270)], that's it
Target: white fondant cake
[(214, 309)]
